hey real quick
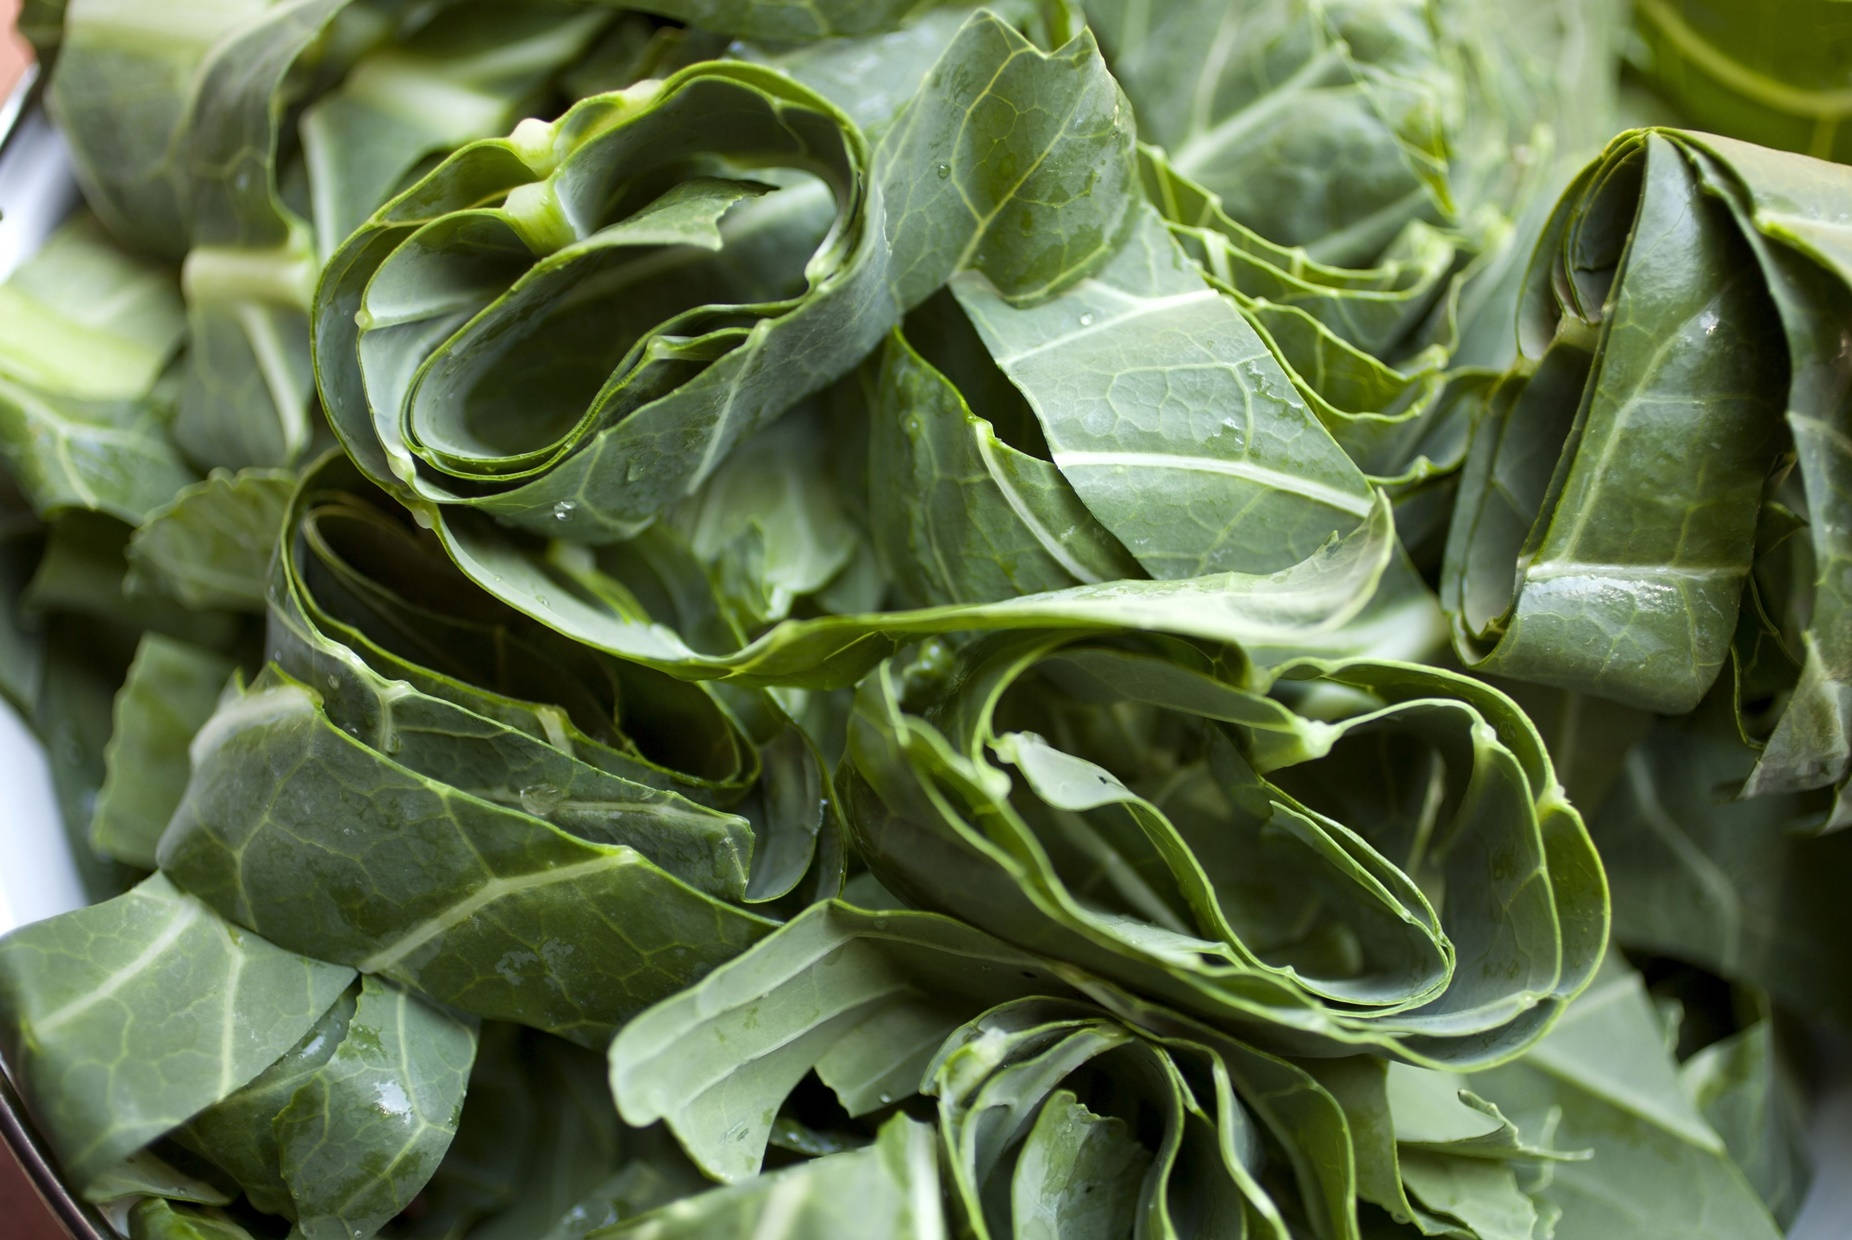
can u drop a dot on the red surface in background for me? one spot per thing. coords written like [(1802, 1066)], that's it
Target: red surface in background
[(14, 54), (23, 1213)]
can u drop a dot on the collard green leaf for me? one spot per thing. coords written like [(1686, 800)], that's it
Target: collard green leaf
[(438, 288), (339, 1133), (125, 158), (82, 573), (84, 663), (101, 455), (364, 1132), (1769, 73), (1365, 347), (88, 331), (1138, 382), (1062, 1102), (1437, 131), (771, 525), (541, 1153), (171, 690), (211, 545), (1281, 87), (85, 318), (720, 789), (93, 1002), (823, 449), (960, 515), (1164, 411), (862, 1000), (1432, 1153), (887, 1191), (1303, 605), (1413, 113), (1746, 1092), (1136, 806), (1734, 885), (250, 262), (203, 171), (792, 22), (480, 905), (1657, 1168), (469, 70), (1609, 516), (240, 1136), (155, 1218), (1623, 589)]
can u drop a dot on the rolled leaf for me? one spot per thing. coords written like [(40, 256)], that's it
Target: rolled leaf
[(1337, 854), (1063, 1105), (748, 243), (1622, 488)]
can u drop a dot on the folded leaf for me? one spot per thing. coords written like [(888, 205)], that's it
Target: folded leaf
[(442, 324), (439, 891), (1657, 1168), (1613, 504), (1733, 885), (1254, 848), (91, 1002)]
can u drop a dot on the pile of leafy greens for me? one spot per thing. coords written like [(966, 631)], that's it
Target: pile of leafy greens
[(1049, 618)]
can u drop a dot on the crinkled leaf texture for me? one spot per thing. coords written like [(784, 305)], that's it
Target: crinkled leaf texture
[(1063, 1105), (1672, 456), (571, 327), (1334, 854)]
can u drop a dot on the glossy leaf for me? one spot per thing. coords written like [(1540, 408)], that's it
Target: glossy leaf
[(362, 1135), (459, 924)]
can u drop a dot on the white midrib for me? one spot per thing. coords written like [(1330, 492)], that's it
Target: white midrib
[(491, 891), (781, 1210), (182, 922), (1330, 496), (1145, 308), (228, 1027), (1043, 535), (1550, 569)]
